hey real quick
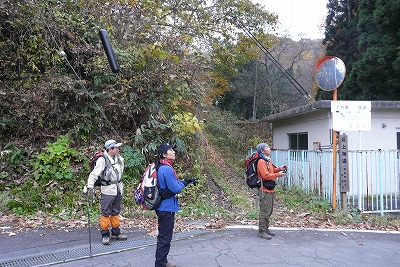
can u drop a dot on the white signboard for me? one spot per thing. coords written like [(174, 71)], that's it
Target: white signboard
[(351, 115)]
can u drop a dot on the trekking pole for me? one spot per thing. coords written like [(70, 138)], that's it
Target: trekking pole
[(88, 214)]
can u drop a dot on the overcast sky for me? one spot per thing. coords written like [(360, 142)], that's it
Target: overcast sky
[(298, 16)]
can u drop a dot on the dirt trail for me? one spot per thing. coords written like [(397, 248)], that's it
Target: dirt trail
[(213, 156)]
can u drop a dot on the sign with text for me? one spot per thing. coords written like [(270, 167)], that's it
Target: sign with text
[(343, 163), (351, 115)]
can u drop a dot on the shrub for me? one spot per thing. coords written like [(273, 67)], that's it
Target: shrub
[(54, 163)]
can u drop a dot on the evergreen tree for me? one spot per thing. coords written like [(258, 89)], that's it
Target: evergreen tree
[(365, 35), (377, 71), (341, 35)]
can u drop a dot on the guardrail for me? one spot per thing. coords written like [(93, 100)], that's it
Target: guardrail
[(373, 176)]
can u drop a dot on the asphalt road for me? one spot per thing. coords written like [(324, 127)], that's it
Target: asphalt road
[(234, 246)]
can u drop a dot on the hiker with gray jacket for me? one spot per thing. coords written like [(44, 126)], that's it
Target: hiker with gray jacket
[(111, 190)]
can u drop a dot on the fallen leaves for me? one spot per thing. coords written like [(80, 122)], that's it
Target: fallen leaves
[(147, 221)]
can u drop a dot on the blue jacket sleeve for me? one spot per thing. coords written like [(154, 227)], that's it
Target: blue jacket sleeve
[(167, 179)]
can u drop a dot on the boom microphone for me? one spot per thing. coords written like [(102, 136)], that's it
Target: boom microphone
[(109, 51)]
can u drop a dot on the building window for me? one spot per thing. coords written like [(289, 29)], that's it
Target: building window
[(298, 141)]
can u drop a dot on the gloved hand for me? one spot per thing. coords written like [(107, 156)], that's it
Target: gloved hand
[(281, 173), (88, 190), (187, 181), (284, 168)]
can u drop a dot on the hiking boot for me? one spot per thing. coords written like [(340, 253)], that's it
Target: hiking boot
[(264, 235), (170, 265), (119, 237), (105, 240), (270, 232)]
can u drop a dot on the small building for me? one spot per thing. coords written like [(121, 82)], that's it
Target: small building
[(302, 140), (309, 127)]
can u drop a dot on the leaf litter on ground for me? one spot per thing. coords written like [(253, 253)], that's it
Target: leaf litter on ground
[(147, 221)]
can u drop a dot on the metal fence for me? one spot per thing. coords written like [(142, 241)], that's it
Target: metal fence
[(373, 176)]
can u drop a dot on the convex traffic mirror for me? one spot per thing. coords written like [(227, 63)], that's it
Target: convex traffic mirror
[(329, 73)]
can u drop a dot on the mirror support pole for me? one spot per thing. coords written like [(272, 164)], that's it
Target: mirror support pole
[(334, 151), (329, 75)]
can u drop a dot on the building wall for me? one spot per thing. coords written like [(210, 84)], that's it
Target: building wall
[(318, 124), (380, 137)]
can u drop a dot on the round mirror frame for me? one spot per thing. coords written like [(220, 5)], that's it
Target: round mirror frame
[(330, 73)]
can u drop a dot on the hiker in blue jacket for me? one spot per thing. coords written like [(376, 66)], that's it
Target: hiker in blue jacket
[(168, 181)]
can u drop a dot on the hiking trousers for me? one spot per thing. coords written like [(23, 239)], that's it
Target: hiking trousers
[(110, 209), (266, 208), (166, 221)]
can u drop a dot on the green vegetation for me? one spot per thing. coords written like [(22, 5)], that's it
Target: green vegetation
[(13, 165), (229, 198), (54, 163), (372, 59), (50, 184), (295, 198), (59, 101)]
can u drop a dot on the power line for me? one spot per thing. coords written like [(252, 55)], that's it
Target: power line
[(291, 79), (62, 53)]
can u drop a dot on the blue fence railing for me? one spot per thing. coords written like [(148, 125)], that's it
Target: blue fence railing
[(373, 176)]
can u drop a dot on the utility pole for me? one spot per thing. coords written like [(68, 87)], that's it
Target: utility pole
[(255, 95)]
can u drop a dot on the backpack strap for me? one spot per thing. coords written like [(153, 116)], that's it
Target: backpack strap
[(262, 156), (267, 161), (109, 164), (106, 166), (261, 180), (157, 168), (164, 193), (149, 175)]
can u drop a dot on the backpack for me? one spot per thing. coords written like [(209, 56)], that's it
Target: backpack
[(251, 171), (92, 163), (148, 193), (252, 179)]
